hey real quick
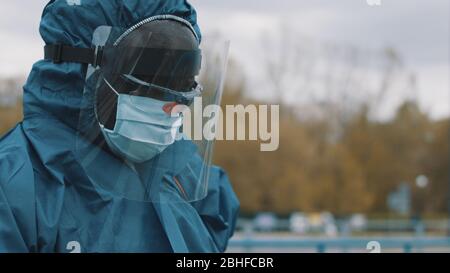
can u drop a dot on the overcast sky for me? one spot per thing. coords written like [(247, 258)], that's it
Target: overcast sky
[(418, 29)]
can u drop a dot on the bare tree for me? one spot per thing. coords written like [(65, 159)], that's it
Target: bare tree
[(333, 80)]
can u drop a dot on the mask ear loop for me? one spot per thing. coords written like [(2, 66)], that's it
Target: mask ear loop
[(102, 126), (111, 87)]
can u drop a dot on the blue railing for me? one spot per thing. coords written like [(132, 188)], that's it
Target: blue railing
[(321, 245)]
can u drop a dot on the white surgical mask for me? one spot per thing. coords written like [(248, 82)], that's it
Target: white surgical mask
[(142, 130)]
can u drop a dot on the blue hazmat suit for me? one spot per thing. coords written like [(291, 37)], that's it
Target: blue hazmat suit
[(47, 201)]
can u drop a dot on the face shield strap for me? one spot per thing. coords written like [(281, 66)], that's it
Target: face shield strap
[(59, 53), (152, 61)]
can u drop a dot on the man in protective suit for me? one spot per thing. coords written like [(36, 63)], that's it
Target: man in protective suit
[(66, 169)]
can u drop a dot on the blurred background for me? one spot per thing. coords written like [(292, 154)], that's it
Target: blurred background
[(364, 128)]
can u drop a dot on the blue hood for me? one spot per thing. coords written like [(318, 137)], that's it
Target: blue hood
[(55, 90)]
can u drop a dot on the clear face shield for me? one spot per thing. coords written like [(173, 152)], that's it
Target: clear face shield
[(138, 103)]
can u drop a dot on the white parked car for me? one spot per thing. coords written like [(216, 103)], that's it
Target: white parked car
[(298, 223), (358, 222), (265, 221)]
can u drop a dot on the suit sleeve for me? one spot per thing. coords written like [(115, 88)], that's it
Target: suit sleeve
[(11, 240), (16, 197)]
